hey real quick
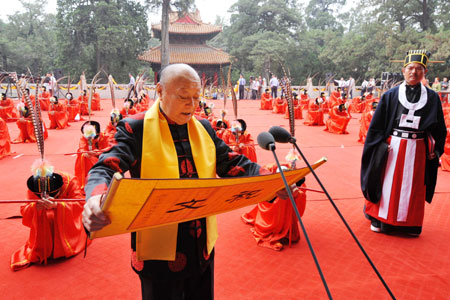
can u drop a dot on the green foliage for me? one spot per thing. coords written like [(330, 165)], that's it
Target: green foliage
[(94, 35), (28, 40)]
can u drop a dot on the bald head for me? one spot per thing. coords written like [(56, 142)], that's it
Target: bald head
[(179, 92), (177, 72)]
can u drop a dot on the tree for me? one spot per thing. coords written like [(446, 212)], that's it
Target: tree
[(28, 40), (101, 34), (260, 32), (319, 14), (180, 6)]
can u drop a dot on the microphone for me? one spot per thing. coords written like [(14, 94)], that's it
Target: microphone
[(266, 141), (281, 135)]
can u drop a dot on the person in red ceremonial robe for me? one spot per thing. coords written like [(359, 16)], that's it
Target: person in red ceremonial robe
[(96, 100), (445, 158), (278, 105), (58, 115), (7, 109), (73, 108), (25, 125), (335, 98), (338, 120), (274, 223), (143, 100), (5, 140), (315, 112), (128, 108), (32, 97), (221, 125), (266, 100), (44, 99), (366, 118), (239, 140), (297, 108), (357, 105), (205, 111), (304, 99), (111, 129), (83, 99), (92, 143), (56, 229)]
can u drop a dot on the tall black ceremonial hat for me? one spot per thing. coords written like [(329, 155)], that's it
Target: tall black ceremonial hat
[(417, 56), (53, 184), (243, 124)]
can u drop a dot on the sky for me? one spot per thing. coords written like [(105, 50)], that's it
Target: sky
[(209, 9)]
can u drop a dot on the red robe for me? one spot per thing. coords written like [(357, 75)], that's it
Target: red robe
[(96, 102), (44, 100), (73, 108), (84, 162), (366, 117), (275, 224), (315, 115), (125, 113), (266, 101), (278, 106), (7, 110), (145, 100), (54, 233), (26, 134), (304, 101), (297, 110), (58, 115), (32, 98), (245, 146), (337, 121), (445, 158), (84, 108), (5, 140), (110, 132), (357, 105)]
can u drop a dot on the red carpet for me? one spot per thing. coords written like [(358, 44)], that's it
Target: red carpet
[(414, 268)]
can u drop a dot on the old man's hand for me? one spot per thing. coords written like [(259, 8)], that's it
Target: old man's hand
[(93, 217)]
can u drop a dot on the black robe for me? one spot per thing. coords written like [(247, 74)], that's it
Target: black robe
[(375, 147), (126, 155)]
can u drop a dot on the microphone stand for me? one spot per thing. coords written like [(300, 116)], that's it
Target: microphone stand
[(293, 141), (294, 205)]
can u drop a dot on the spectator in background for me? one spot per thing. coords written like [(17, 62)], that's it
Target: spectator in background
[(351, 86), (444, 84), (242, 83), (436, 86), (254, 85), (274, 86), (364, 86), (260, 81), (371, 85)]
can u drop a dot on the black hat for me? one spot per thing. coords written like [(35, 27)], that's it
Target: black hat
[(96, 125), (115, 114), (53, 185), (220, 123), (243, 124), (129, 100), (417, 56), (374, 104), (341, 107), (267, 90)]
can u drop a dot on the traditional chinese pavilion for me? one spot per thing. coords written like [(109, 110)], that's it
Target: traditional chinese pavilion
[(187, 44)]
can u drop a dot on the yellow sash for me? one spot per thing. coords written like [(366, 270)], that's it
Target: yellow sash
[(160, 160)]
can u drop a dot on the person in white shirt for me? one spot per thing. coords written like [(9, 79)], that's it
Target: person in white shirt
[(274, 85)]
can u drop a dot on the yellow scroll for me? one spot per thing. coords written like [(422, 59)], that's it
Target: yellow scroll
[(137, 204)]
